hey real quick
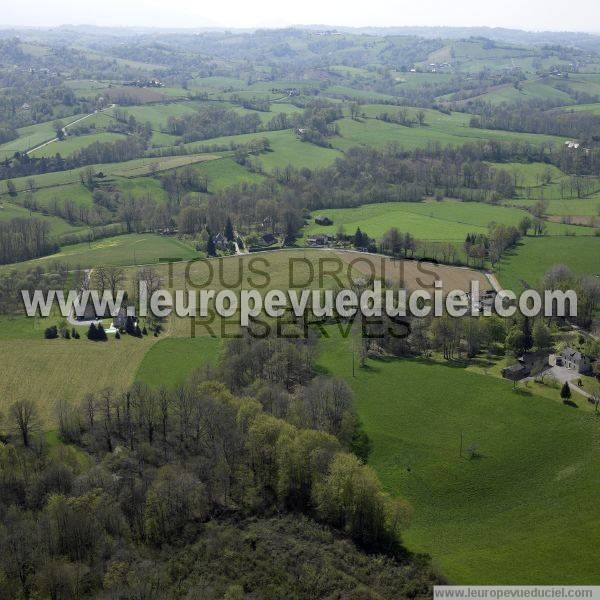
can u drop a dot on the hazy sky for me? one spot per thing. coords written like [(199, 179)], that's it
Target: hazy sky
[(557, 15)]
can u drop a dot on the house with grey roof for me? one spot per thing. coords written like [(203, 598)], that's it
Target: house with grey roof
[(573, 359)]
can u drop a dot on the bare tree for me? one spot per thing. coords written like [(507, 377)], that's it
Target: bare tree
[(25, 416), (115, 277), (151, 277), (100, 279)]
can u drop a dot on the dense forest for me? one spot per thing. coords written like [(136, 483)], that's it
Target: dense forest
[(255, 460)]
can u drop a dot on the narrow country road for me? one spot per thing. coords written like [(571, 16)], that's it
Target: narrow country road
[(70, 125)]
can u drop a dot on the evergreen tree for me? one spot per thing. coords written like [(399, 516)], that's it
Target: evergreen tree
[(51, 333), (565, 392), (229, 230), (211, 249), (92, 333), (117, 336), (358, 238), (102, 337)]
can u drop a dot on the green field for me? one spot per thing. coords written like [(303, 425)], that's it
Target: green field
[(286, 149), (66, 369), (131, 249), (72, 143), (530, 90), (530, 174), (575, 206), (138, 167), (511, 516), (32, 136), (593, 108), (224, 173), (449, 220), (158, 114), (526, 265), (170, 361), (58, 226), (439, 128)]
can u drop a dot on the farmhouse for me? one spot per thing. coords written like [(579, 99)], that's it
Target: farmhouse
[(320, 240), (530, 363), (220, 241), (572, 359), (321, 220), (515, 372)]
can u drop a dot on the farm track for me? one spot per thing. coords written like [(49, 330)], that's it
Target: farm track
[(70, 125)]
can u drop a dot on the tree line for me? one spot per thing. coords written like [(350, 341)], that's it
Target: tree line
[(23, 238)]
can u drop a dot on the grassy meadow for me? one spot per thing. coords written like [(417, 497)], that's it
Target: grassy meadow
[(530, 486), (121, 250), (68, 369), (72, 143), (448, 220), (170, 361), (526, 264)]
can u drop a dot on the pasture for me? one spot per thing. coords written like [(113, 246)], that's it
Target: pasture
[(224, 173), (58, 226), (442, 129), (448, 220), (526, 264), (121, 250), (138, 167), (528, 487), (533, 89), (286, 149), (32, 136), (170, 361), (48, 371), (72, 143), (589, 207)]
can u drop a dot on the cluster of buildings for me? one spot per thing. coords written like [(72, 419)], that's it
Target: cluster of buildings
[(532, 363), (145, 83), (320, 241)]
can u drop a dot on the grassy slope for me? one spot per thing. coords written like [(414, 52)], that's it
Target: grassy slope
[(593, 108), (449, 220), (66, 369), (439, 128), (128, 249), (31, 136), (522, 512), (131, 168), (534, 256), (73, 143), (58, 226), (537, 89), (286, 149), (567, 206), (170, 361), (224, 173)]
